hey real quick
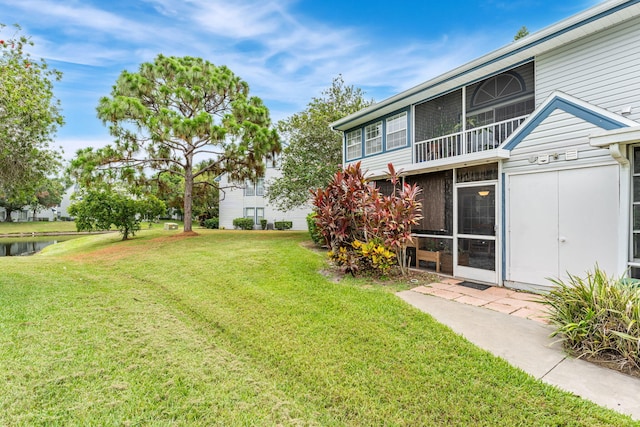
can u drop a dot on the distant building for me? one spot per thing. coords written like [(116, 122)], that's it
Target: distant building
[(59, 212), (248, 200)]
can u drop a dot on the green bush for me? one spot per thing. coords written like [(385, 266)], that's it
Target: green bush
[(314, 231), (283, 225), (597, 317), (243, 223), (212, 223), (263, 224), (99, 210)]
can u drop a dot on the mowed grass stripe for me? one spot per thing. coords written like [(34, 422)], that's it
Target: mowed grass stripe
[(233, 328)]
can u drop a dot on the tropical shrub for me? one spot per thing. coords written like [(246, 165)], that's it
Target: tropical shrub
[(213, 223), (374, 257), (314, 231), (390, 218), (339, 208), (283, 225), (597, 317), (352, 209), (243, 223)]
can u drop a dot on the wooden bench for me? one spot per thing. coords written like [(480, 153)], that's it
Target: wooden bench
[(428, 256)]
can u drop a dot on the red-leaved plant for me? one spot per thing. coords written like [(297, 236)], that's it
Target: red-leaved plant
[(390, 218), (352, 209)]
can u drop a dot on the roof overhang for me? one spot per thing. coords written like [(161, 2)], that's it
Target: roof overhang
[(627, 135), (514, 54), (489, 156)]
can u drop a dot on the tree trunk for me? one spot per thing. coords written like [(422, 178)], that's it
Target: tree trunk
[(8, 213), (188, 194)]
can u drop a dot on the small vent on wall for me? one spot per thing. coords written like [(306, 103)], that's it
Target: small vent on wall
[(571, 155)]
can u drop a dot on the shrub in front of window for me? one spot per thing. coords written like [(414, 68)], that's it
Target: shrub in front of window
[(351, 209), (263, 224), (243, 223)]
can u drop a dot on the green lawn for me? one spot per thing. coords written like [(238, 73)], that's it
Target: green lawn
[(37, 226), (236, 329), (57, 226)]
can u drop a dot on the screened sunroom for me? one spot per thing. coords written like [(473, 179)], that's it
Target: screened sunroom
[(474, 118)]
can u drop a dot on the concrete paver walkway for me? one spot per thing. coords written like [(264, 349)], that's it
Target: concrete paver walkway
[(508, 301), (511, 325)]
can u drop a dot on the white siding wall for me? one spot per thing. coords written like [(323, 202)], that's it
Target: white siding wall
[(601, 69), (558, 133), (63, 209), (234, 203), (378, 164), (231, 204)]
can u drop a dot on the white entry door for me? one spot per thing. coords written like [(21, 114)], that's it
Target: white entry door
[(562, 222)]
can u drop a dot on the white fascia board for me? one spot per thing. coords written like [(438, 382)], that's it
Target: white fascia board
[(628, 135), (489, 156)]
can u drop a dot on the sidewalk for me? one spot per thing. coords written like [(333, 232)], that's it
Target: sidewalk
[(503, 300), (511, 325)]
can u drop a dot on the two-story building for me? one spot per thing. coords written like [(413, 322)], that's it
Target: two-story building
[(248, 200), (528, 157)]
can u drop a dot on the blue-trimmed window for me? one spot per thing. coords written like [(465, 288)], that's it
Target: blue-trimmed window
[(354, 144), (254, 213), (373, 138), (385, 134), (396, 131)]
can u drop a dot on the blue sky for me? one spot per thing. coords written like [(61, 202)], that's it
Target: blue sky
[(288, 51)]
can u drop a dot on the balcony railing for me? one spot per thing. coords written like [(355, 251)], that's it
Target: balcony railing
[(475, 140)]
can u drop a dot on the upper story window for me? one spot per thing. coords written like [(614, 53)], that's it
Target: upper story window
[(354, 144), (249, 188), (502, 97), (373, 138), (254, 188), (397, 131), (497, 87), (260, 187)]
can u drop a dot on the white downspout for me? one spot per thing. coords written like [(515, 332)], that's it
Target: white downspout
[(624, 223)]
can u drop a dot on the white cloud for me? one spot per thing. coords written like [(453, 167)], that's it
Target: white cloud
[(286, 58), (71, 145)]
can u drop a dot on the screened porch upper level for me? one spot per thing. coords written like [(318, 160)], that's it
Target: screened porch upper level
[(476, 117)]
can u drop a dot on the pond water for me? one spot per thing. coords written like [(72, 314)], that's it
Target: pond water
[(28, 246)]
